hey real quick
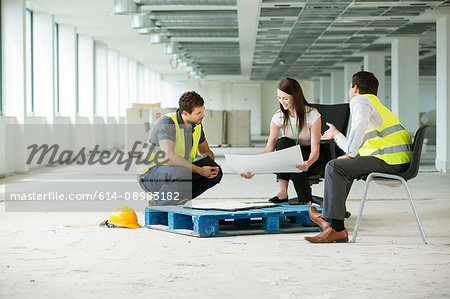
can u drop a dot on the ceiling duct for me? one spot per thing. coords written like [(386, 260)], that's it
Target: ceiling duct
[(204, 32), (195, 16), (125, 7), (159, 39), (142, 21), (187, 2)]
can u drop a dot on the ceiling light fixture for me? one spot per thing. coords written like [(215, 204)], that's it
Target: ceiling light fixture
[(142, 21), (159, 39), (125, 7)]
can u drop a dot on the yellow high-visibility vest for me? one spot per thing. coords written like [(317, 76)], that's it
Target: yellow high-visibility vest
[(390, 143), (179, 144)]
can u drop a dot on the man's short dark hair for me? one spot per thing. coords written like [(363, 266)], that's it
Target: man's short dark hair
[(366, 82), (189, 100)]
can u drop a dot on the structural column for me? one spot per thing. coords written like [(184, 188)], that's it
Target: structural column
[(13, 64), (443, 93), (337, 86), (13, 58), (405, 81), (349, 70), (374, 63), (325, 90)]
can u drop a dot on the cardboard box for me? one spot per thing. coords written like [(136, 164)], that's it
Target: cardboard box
[(214, 126), (139, 122), (156, 113), (138, 105), (238, 127), (137, 127)]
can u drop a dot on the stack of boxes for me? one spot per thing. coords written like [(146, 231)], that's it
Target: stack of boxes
[(222, 128)]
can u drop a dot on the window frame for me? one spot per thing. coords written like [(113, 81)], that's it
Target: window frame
[(30, 110), (57, 97)]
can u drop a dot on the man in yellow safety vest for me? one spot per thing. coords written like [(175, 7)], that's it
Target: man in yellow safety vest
[(377, 142), (177, 137)]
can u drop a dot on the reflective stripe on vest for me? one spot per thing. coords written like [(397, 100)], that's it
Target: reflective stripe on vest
[(180, 148), (390, 142)]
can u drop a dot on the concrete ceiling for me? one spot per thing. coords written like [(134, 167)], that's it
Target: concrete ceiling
[(255, 40)]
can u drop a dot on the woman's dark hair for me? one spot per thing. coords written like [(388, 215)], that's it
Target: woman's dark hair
[(366, 81), (293, 88), (189, 100)]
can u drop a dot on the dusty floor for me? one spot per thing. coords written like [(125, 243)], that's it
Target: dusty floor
[(63, 254)]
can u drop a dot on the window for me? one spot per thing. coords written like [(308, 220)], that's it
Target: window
[(77, 68), (57, 67), (1, 102), (29, 62)]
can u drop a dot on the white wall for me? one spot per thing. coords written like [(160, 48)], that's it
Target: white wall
[(308, 90), (100, 79), (124, 100), (427, 93), (269, 104), (132, 81), (225, 96), (113, 83)]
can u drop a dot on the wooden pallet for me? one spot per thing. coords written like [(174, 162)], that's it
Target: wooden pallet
[(213, 223)]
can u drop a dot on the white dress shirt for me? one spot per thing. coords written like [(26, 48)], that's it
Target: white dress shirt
[(364, 116), (311, 115)]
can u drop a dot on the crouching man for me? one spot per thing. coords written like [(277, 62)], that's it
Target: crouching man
[(177, 136)]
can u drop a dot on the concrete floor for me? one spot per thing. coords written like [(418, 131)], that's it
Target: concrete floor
[(66, 254)]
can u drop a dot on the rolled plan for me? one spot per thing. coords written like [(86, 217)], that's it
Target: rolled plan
[(280, 161)]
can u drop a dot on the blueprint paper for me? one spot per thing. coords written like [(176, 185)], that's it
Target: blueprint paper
[(228, 205), (279, 161)]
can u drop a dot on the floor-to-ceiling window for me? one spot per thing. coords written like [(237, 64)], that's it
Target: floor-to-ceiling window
[(29, 62), (57, 68)]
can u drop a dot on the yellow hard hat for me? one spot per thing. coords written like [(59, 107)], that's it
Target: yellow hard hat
[(124, 217)]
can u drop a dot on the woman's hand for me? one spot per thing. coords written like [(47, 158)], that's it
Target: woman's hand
[(303, 166), (247, 175)]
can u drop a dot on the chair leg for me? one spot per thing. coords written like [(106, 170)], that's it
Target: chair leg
[(419, 224), (361, 207)]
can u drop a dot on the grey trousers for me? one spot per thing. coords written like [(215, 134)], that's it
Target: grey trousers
[(339, 177)]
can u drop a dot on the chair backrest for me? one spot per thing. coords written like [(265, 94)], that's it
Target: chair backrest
[(413, 168), (337, 114)]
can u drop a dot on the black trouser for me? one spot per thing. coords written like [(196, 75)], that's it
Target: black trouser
[(339, 177), (300, 179), (177, 181)]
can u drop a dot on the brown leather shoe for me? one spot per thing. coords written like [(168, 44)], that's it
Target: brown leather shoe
[(329, 235), (317, 218)]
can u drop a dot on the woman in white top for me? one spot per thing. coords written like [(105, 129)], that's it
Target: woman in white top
[(301, 125)]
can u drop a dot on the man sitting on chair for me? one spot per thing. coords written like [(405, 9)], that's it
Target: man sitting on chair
[(378, 142)]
